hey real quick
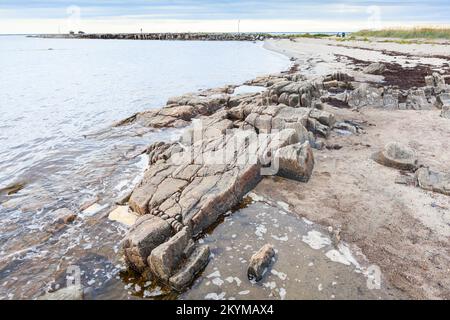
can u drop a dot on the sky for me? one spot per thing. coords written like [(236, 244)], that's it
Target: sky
[(54, 16)]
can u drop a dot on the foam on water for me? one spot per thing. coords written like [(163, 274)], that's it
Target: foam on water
[(56, 111)]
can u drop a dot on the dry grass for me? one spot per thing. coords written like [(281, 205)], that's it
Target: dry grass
[(408, 33)]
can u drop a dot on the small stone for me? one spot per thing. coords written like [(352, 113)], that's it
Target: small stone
[(64, 216)]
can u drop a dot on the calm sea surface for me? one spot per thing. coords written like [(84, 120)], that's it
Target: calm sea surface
[(58, 99)]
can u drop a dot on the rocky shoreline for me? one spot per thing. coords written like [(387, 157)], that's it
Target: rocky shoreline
[(178, 201), (185, 36), (236, 143)]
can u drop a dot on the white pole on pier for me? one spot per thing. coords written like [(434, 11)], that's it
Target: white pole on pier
[(239, 26)]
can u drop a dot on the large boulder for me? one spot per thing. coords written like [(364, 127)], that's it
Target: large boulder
[(295, 161), (433, 181), (260, 262), (397, 156), (145, 235)]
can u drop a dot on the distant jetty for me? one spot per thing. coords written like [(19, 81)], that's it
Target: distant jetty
[(163, 36)]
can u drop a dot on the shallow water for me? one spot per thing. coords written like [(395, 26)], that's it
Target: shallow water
[(58, 99), (307, 264)]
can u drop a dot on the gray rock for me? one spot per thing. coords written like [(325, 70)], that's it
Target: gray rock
[(435, 80), (397, 156), (375, 68), (316, 127), (416, 100), (145, 235), (365, 96), (324, 117), (295, 161), (442, 100), (433, 181), (194, 265), (294, 100), (260, 262), (164, 259)]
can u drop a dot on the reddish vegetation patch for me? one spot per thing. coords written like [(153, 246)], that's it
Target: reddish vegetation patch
[(397, 75), (405, 78)]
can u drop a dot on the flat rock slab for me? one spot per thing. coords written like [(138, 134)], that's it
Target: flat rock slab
[(199, 183), (68, 293), (123, 215), (433, 181)]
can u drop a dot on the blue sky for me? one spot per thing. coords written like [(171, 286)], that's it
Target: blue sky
[(96, 14)]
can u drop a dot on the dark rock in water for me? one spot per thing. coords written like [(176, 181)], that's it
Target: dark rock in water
[(433, 181), (64, 216), (12, 189), (397, 156), (146, 234), (260, 262), (295, 162)]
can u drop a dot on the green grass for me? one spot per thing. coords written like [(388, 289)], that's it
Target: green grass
[(407, 33)]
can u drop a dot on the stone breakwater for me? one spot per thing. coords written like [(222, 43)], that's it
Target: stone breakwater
[(165, 36), (236, 140)]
